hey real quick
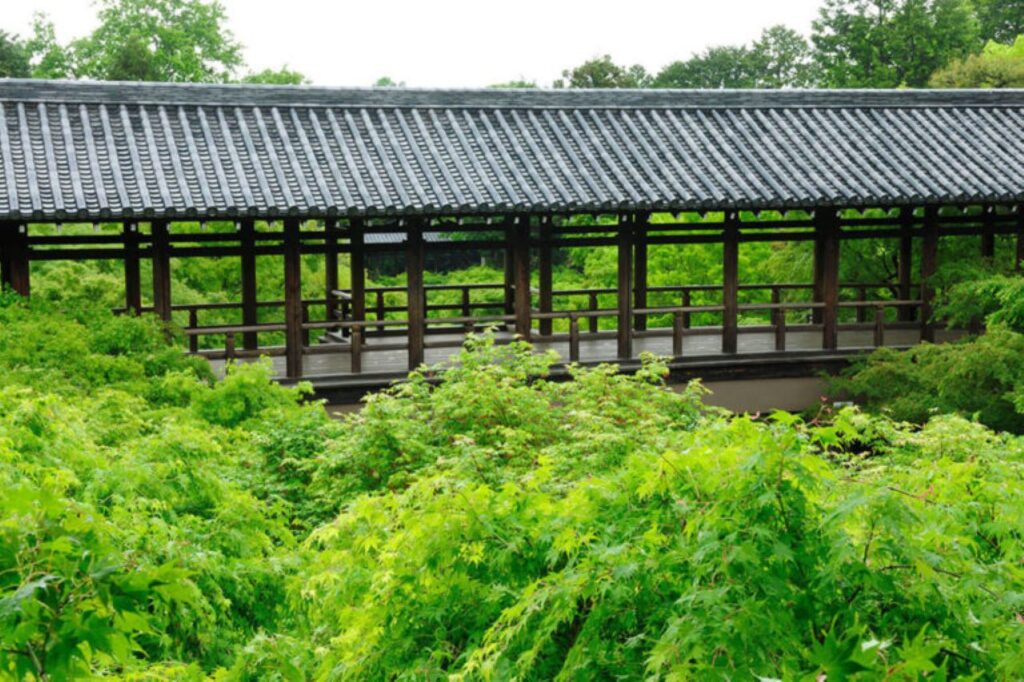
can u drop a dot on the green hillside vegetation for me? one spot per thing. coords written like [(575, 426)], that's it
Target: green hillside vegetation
[(159, 524)]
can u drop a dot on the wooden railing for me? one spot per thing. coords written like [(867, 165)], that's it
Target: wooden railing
[(384, 325)]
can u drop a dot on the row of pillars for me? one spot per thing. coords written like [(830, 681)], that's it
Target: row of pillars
[(632, 276)]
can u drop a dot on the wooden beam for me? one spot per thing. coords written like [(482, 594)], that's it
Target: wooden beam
[(247, 243), (827, 222), (544, 274), (730, 283), (330, 266), (521, 272), (357, 268), (624, 327), (929, 264), (640, 270), (161, 256), (414, 265), (14, 258), (905, 261), (132, 278), (292, 298)]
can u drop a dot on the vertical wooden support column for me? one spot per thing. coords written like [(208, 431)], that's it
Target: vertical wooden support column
[(292, 298), (730, 283), (544, 275), (161, 269), (1019, 256), (521, 272), (331, 266), (247, 242), (509, 263), (988, 237), (640, 270), (624, 328), (357, 268), (818, 292), (929, 263), (905, 261), (417, 314), (827, 223), (14, 258), (132, 279)]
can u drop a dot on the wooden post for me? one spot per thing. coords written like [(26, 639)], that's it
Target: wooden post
[(544, 275), (1019, 255), (929, 263), (509, 262), (521, 272), (818, 292), (905, 261), (730, 283), (331, 267), (161, 269), (624, 328), (988, 237), (132, 280), (640, 270), (416, 307), (293, 298), (357, 268), (827, 223), (247, 242), (14, 258)]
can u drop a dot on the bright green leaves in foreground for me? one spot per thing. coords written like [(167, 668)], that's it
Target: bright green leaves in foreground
[(489, 523)]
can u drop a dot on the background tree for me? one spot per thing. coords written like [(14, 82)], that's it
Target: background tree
[(1000, 20), (602, 72), (14, 57), (49, 59), (716, 67), (158, 40), (282, 76), (998, 66), (891, 43), (781, 58)]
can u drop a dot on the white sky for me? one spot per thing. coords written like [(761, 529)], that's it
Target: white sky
[(461, 43)]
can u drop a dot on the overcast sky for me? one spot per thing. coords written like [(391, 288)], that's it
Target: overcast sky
[(461, 43)]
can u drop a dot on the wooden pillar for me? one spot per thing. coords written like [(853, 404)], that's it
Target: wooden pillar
[(521, 276), (624, 328), (357, 269), (331, 266), (544, 273), (508, 258), (988, 237), (929, 264), (640, 270), (1019, 255), (293, 298), (247, 242), (827, 224), (161, 269), (14, 258), (730, 283), (818, 292), (905, 261), (417, 314), (132, 279)]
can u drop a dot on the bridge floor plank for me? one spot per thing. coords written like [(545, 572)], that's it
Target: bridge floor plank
[(389, 364)]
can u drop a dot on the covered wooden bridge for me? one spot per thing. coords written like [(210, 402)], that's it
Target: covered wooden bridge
[(340, 172)]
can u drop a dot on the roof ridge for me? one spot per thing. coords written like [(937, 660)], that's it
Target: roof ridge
[(195, 94)]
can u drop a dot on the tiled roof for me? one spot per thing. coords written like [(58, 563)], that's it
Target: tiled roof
[(73, 150)]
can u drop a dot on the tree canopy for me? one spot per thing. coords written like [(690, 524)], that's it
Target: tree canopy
[(150, 40), (998, 66), (14, 57)]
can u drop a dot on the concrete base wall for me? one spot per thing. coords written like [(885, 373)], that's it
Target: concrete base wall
[(766, 395)]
